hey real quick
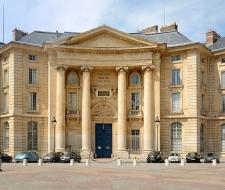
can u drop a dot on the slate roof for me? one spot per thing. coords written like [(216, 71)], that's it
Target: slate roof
[(170, 38), (218, 45)]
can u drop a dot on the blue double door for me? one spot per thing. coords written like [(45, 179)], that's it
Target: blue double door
[(103, 140)]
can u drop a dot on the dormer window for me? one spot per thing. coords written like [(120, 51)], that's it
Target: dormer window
[(176, 58)]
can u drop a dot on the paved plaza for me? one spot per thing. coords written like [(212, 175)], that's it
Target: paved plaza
[(106, 176)]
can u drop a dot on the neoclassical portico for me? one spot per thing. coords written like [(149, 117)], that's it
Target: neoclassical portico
[(104, 78)]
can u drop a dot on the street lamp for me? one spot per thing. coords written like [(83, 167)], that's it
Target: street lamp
[(157, 126), (54, 124)]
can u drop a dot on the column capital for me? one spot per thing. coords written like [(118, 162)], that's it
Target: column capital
[(122, 68), (61, 67), (86, 68), (148, 67)]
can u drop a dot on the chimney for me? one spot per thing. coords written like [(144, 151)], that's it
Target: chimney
[(170, 28), (150, 30), (18, 34), (211, 37)]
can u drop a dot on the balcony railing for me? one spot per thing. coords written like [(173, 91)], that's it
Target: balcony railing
[(73, 112), (135, 113)]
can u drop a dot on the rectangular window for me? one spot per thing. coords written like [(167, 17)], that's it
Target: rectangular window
[(5, 103), (203, 78), (6, 137), (32, 57), (135, 99), (202, 139), (72, 102), (176, 138), (223, 60), (176, 102), (223, 104), (223, 138), (33, 101), (203, 104), (175, 58), (135, 141), (175, 76), (32, 76), (223, 79), (5, 78)]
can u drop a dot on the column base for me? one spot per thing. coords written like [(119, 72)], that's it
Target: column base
[(121, 154), (60, 150), (85, 154)]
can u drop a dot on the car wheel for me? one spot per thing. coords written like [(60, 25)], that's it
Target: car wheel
[(53, 161)]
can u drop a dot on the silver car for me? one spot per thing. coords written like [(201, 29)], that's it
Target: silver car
[(174, 157)]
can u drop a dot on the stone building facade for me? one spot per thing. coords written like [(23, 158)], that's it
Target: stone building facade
[(113, 93)]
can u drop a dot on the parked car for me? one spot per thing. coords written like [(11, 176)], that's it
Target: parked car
[(5, 157), (155, 156), (29, 155), (66, 157), (52, 157), (210, 157), (193, 157), (174, 157)]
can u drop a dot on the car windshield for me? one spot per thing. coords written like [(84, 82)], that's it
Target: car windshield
[(210, 154), (50, 154), (173, 154), (193, 154), (67, 154)]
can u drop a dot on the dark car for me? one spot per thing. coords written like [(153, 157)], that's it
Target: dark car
[(52, 157), (5, 157), (193, 157), (155, 156), (210, 157), (29, 155), (66, 157)]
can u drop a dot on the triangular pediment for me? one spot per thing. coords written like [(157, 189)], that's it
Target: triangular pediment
[(105, 37)]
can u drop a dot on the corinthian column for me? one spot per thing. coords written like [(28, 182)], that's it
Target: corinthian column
[(60, 110), (122, 111), (86, 111), (148, 109)]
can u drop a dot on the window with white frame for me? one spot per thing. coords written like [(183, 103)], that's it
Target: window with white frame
[(32, 57), (176, 137), (176, 58), (33, 101), (202, 139), (176, 107), (223, 138), (135, 101), (135, 140), (32, 136), (223, 103), (32, 76), (5, 103), (5, 77), (175, 76), (223, 79), (72, 102), (6, 136)]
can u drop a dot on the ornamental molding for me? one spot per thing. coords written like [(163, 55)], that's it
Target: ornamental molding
[(148, 68), (86, 68), (121, 69)]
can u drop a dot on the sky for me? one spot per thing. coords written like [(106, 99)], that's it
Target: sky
[(194, 17)]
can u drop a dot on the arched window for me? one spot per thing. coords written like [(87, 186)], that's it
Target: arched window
[(135, 79), (6, 135), (176, 137), (223, 137), (32, 136), (72, 78)]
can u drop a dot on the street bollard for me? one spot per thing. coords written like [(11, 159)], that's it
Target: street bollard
[(24, 162), (214, 162), (0, 165), (87, 163), (40, 162), (118, 162), (182, 162), (72, 162), (134, 162), (166, 162)]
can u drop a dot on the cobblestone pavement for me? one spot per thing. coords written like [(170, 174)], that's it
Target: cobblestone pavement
[(106, 176)]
